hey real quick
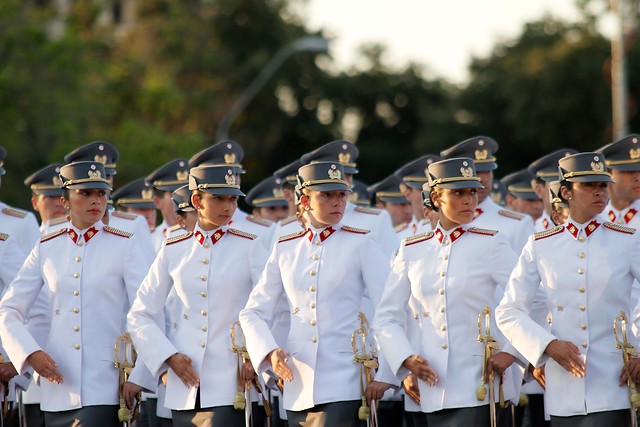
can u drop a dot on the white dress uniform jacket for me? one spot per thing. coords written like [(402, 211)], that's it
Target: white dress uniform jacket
[(587, 272), (22, 225), (262, 228), (212, 273), (322, 276), (88, 288), (516, 227), (544, 222), (451, 276), (378, 221)]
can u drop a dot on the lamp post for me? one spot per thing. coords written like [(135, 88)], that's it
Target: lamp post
[(302, 44)]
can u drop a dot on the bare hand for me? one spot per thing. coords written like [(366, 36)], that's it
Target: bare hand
[(539, 376), (45, 366), (631, 370), (7, 371), (163, 378), (278, 359), (130, 392), (248, 374), (498, 363), (410, 386), (375, 390), (421, 369), (567, 355), (183, 367)]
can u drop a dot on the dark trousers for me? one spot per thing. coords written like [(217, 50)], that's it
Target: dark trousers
[(620, 418), (88, 416), (334, 414), (460, 417)]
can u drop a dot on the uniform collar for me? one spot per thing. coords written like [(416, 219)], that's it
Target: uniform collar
[(214, 236), (623, 216), (448, 236), (588, 228), (80, 237), (321, 234)]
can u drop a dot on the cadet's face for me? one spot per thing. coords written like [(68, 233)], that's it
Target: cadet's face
[(559, 215), (325, 207), (542, 191), (586, 199), (148, 214), (86, 207), (627, 186), (214, 210), (486, 179), (165, 205), (414, 196), (48, 207), (456, 206), (274, 213), (400, 212), (532, 208)]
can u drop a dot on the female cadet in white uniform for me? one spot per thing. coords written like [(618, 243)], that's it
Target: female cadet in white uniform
[(89, 289), (212, 270), (452, 274), (321, 274), (586, 267)]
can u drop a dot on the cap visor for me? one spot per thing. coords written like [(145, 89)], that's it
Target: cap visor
[(223, 191), (457, 185), (591, 178), (89, 186), (328, 187)]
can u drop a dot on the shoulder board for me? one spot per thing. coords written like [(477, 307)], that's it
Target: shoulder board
[(124, 215), (546, 233), (620, 228), (418, 238), (259, 221), (179, 238), (483, 231), (288, 220), (14, 212), (241, 233), (117, 231), (369, 211), (174, 228), (401, 227), (292, 236), (355, 230), (510, 214), (59, 220), (52, 235), (4, 236)]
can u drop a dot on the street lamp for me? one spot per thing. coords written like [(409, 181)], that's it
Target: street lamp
[(302, 44)]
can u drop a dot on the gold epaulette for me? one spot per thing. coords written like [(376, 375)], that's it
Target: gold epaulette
[(288, 220), (511, 215), (401, 227), (175, 228), (483, 231), (370, 211), (259, 221), (620, 228), (4, 236), (59, 220), (355, 230), (241, 233), (124, 215), (292, 236), (15, 212), (418, 238), (546, 233), (117, 231), (179, 238), (52, 235)]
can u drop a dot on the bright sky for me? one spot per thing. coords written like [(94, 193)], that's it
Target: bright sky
[(442, 35)]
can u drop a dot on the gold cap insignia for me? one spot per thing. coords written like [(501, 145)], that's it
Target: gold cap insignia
[(344, 157), (57, 181), (182, 175), (353, 197), (597, 165), (334, 173), (229, 158), (93, 173), (466, 171), (634, 153), (481, 154), (278, 193), (230, 178), (147, 194), (426, 172), (102, 159)]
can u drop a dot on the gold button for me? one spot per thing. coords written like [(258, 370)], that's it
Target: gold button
[(442, 274), (207, 245), (76, 275), (582, 308), (202, 344), (203, 312), (313, 305), (315, 257), (76, 310), (313, 272), (580, 239), (445, 257), (203, 294), (415, 315), (581, 289), (313, 323), (312, 289), (76, 328), (441, 309), (318, 243), (77, 346), (441, 291), (203, 278), (446, 242), (584, 345), (78, 259), (314, 340), (205, 261), (204, 329), (444, 346), (580, 271), (443, 328), (583, 327), (79, 243), (425, 313), (582, 255), (76, 293)]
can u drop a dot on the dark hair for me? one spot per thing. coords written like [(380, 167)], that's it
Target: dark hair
[(568, 185)]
